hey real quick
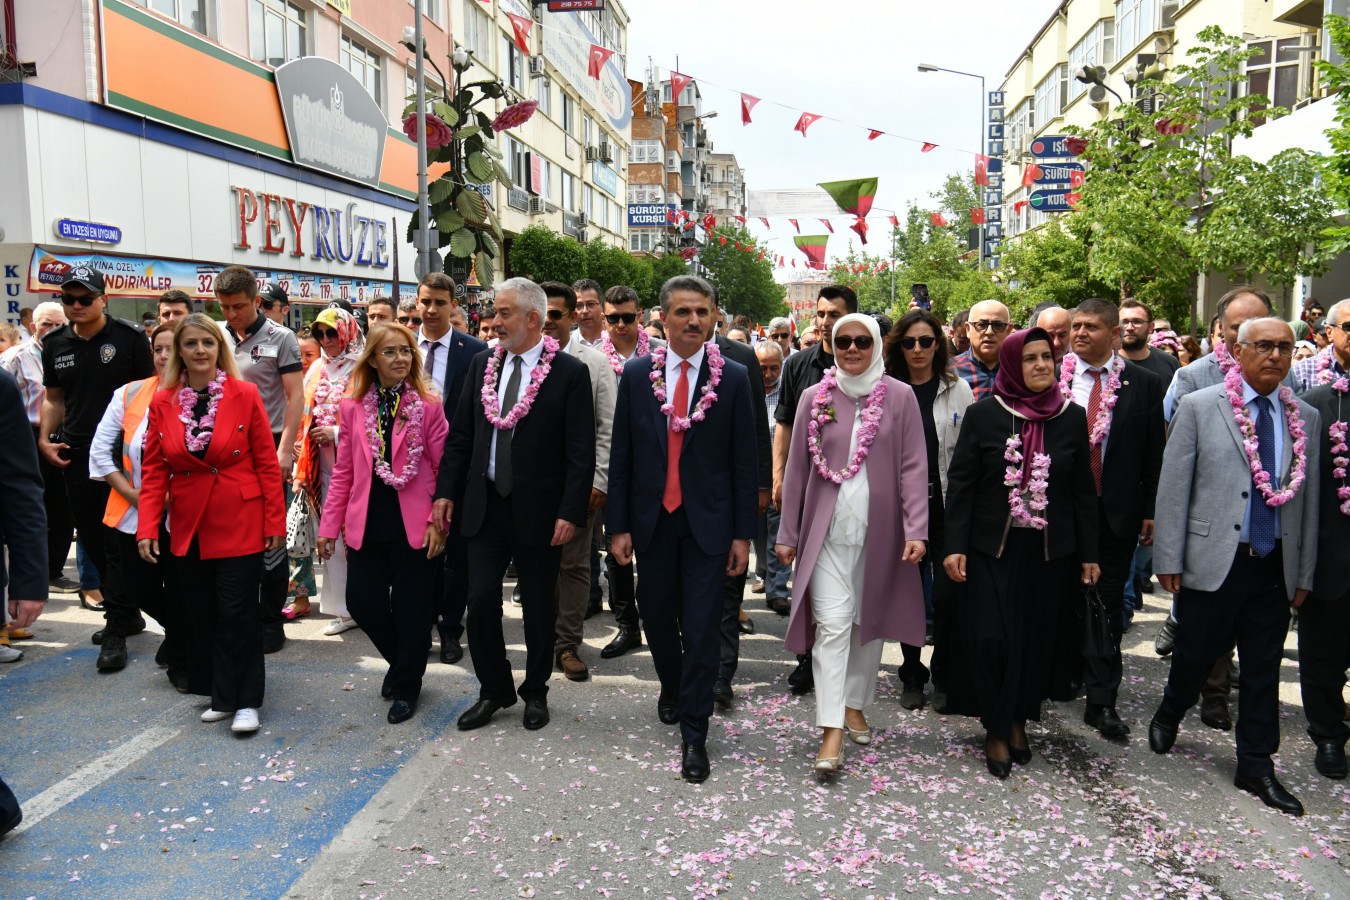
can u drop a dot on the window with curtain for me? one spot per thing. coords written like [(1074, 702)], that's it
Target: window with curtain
[(363, 63), (277, 31), (1096, 48)]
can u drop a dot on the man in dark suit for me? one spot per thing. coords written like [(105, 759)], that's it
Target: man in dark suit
[(23, 532), (1126, 455), (447, 354), (693, 527), (525, 479)]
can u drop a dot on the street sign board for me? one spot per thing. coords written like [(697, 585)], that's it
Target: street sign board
[(1051, 146), (574, 5), (1058, 173), (1059, 200)]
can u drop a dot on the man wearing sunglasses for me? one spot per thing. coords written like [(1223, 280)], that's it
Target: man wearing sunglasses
[(1335, 357), (780, 332), (407, 314), (83, 363), (988, 327)]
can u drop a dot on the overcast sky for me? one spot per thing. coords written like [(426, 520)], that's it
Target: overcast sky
[(853, 60)]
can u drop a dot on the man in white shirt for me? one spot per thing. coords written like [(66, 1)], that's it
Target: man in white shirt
[(590, 320)]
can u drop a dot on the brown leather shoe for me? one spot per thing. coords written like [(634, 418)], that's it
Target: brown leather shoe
[(572, 666)]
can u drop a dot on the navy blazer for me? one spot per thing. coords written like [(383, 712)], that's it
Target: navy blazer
[(719, 472), (23, 518), (463, 348)]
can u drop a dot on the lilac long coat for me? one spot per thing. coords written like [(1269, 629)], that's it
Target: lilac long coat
[(897, 511)]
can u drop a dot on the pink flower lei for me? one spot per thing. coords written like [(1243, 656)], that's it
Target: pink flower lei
[(644, 346), (197, 433), (822, 414), (1232, 383), (412, 414), (1109, 391), (327, 398), (1324, 374), (709, 391), (491, 406), (1033, 497), (1224, 358), (1340, 449)]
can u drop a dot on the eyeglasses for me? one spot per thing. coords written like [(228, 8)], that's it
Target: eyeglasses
[(780, 335), (556, 314), (625, 318), (862, 342), (990, 325), (82, 299), (323, 334), (396, 352), (925, 342), (409, 320), (1343, 326), (1265, 348)]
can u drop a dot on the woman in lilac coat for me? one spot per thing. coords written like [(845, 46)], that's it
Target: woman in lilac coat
[(855, 504)]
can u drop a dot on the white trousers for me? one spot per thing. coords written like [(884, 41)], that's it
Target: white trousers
[(845, 671), (333, 596)]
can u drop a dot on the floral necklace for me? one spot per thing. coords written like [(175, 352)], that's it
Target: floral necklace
[(324, 406), (822, 414), (491, 405), (1232, 383), (197, 432), (644, 346), (709, 390), (1108, 399), (1324, 373), (1033, 497), (1340, 449), (1224, 358), (375, 434)]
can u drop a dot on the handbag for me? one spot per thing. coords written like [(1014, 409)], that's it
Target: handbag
[(300, 527), (1098, 637)]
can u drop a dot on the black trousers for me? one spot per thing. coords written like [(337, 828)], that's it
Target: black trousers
[(1250, 608), (88, 502), (227, 646), (622, 589), (60, 525), (597, 594), (276, 576), (146, 585), (681, 600), (389, 594), (1103, 672), (451, 587), (494, 546), (912, 670), (733, 594), (1323, 657)]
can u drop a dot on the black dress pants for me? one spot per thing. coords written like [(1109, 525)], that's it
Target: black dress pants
[(1323, 657), (733, 594), (1103, 672), (622, 590), (912, 670), (276, 576), (389, 594), (60, 525), (227, 645), (147, 586), (451, 586), (494, 546), (88, 503), (1250, 608)]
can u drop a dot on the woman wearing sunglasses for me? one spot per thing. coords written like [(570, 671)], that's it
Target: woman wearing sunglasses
[(855, 504)]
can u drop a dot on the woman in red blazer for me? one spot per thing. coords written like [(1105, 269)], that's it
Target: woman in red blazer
[(209, 459), (380, 499)]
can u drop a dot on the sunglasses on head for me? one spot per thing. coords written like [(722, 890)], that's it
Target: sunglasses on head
[(625, 318), (925, 342), (82, 299), (323, 334), (862, 342)]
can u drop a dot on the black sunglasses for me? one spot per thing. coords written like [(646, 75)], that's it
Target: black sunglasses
[(925, 342), (625, 318), (862, 342), (322, 334), (779, 335), (556, 314), (409, 320), (82, 299)]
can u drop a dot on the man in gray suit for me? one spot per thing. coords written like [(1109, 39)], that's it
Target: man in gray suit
[(1236, 556)]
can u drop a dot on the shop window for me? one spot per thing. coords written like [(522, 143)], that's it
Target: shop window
[(276, 31), (191, 13), (364, 64)]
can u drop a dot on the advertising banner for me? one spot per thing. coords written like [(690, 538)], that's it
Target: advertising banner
[(649, 215), (567, 45)]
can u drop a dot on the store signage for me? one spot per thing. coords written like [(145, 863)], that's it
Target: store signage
[(518, 199), (567, 43), (1051, 146), (571, 225), (569, 5), (484, 189), (342, 6), (75, 230), (649, 215), (336, 234), (605, 178), (332, 122), (1060, 200), (1058, 173)]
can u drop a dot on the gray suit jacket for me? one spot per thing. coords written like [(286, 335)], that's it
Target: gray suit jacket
[(1202, 496), (1201, 374), (603, 393)]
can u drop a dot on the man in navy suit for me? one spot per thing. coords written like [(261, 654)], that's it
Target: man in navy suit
[(692, 527), (446, 355)]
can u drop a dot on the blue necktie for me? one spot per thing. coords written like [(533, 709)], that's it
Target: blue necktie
[(1264, 522)]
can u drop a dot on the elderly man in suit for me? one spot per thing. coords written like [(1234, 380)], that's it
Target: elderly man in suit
[(521, 454), (688, 410), (1237, 542)]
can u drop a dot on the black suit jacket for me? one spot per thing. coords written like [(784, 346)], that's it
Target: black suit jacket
[(745, 355), (977, 499), (552, 453), (1134, 451), (23, 518), (718, 471), (463, 349), (1333, 533)]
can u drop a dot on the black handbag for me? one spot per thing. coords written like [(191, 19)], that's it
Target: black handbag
[(1098, 637)]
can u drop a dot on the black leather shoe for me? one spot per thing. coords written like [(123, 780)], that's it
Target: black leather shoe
[(999, 768), (1330, 759), (802, 680), (97, 636), (401, 711), (451, 651), (780, 605), (1161, 736), (273, 639), (722, 694), (1167, 637), (668, 710), (136, 628), (911, 697), (1217, 716), (162, 655), (386, 689), (179, 679), (747, 626), (627, 639), (694, 766), (536, 713), (593, 609), (89, 604), (113, 653), (516, 595), (480, 713), (1106, 720), (1271, 792)]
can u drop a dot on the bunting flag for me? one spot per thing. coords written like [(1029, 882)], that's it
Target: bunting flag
[(806, 121), (795, 225), (873, 134), (860, 226), (522, 25), (826, 223), (710, 221), (747, 104), (977, 216), (741, 219), (1030, 173), (938, 220), (723, 239), (1075, 145), (678, 83), (1019, 206), (765, 221), (854, 196), (927, 147), (599, 56), (1073, 197), (982, 169), (670, 215), (894, 220), (813, 245), (1077, 178)]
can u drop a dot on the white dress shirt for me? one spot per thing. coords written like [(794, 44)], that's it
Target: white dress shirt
[(673, 375), (436, 371), (1082, 393), (530, 359)]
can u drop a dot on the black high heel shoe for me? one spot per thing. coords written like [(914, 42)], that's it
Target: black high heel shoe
[(89, 604), (999, 768), (1020, 755)]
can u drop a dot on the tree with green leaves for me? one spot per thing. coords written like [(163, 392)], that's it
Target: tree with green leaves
[(538, 253), (1049, 265), (663, 269), (1335, 79), (742, 272), (859, 270)]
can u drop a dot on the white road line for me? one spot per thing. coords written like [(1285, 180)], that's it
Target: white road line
[(92, 774)]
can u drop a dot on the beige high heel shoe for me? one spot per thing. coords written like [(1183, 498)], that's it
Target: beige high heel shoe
[(828, 765)]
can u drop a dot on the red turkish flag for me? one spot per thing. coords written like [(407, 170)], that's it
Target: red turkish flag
[(678, 83), (1030, 173), (521, 25), (826, 223), (1020, 205), (723, 239), (765, 221), (1073, 197), (761, 256), (873, 134), (1076, 179), (599, 56), (747, 104), (1075, 145), (738, 246), (670, 215), (710, 221), (977, 216), (981, 169), (741, 219), (794, 264), (806, 121), (927, 147), (894, 220), (795, 225), (938, 220), (860, 226)]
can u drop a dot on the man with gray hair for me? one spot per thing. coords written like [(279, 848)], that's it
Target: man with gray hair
[(780, 332), (1332, 361), (771, 575), (407, 313)]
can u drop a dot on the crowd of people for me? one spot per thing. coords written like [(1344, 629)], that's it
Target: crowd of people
[(999, 493)]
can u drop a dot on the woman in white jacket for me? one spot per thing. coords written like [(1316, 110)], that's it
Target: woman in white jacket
[(916, 353)]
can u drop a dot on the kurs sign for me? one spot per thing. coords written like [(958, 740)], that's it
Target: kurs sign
[(332, 122)]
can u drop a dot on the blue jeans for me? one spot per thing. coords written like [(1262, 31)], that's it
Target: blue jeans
[(89, 580), (777, 574)]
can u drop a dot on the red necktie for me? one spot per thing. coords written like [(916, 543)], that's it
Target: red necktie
[(674, 497), (1094, 406)]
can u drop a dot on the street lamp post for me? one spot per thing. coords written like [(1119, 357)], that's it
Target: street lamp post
[(984, 117)]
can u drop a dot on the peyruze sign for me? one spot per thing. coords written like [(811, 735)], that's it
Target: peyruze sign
[(332, 122)]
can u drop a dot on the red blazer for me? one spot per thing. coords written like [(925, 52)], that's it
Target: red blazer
[(344, 511), (231, 500)]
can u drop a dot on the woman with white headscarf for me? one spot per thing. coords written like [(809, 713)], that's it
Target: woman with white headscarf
[(855, 518), (342, 341)]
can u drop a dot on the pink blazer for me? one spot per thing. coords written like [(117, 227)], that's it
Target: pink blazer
[(344, 511)]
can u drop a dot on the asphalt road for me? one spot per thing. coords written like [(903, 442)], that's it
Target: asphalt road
[(127, 794)]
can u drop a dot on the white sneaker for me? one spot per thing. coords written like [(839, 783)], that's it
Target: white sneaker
[(9, 654), (339, 625), (245, 721), (212, 715)]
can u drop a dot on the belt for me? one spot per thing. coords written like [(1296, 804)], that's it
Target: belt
[(1246, 550)]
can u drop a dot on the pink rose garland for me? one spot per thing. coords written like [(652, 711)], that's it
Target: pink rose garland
[(709, 391), (644, 346), (1038, 483), (1232, 383), (1109, 391), (822, 414), (375, 435), (197, 432), (327, 397), (1340, 449), (491, 406)]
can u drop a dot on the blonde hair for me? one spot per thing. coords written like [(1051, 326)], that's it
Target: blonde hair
[(173, 372), (380, 336)]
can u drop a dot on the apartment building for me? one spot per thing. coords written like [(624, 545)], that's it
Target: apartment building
[(655, 187), (802, 292), (726, 186)]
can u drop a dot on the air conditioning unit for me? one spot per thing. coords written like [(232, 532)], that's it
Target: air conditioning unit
[(536, 67), (581, 220), (581, 235), (538, 206), (592, 154), (606, 152), (1168, 14)]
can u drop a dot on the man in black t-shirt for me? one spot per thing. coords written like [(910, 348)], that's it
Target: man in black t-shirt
[(1136, 324), (83, 363)]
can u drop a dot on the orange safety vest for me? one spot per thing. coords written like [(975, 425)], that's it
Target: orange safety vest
[(136, 398)]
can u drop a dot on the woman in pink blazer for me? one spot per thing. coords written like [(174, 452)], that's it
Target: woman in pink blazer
[(379, 501)]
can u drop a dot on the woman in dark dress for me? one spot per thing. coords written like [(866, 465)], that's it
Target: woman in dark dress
[(1021, 521)]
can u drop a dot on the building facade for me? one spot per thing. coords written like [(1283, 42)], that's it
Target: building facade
[(801, 296), (726, 186)]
